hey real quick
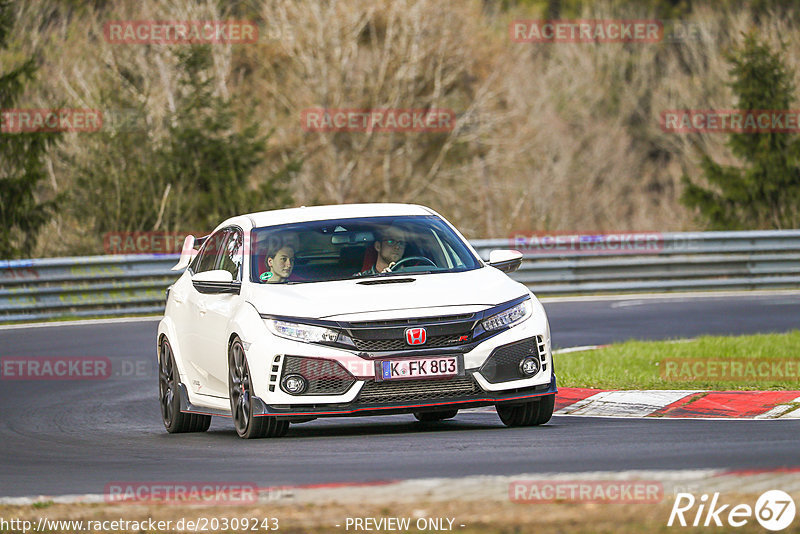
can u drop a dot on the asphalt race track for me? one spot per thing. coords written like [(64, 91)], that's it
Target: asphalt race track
[(75, 437), (577, 323)]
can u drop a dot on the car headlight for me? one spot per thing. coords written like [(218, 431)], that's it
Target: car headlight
[(302, 332), (508, 317)]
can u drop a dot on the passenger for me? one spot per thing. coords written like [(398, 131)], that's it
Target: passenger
[(391, 245), (279, 263)]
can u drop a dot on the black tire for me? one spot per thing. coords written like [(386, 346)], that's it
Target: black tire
[(532, 413), (546, 406), (240, 390), (175, 421), (517, 415), (430, 417)]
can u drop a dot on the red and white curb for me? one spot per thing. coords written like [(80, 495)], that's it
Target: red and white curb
[(675, 403), (679, 403)]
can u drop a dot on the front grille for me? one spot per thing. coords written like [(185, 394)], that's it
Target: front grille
[(400, 344), (390, 335), (405, 391), (503, 364), (325, 377)]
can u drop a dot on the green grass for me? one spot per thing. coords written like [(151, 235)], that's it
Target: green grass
[(696, 364)]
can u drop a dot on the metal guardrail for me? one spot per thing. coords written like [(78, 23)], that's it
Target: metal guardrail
[(612, 263), (84, 286), (578, 264)]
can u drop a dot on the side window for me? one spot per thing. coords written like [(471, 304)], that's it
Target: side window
[(207, 258), (231, 257)]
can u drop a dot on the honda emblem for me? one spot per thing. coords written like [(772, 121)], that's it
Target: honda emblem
[(415, 336)]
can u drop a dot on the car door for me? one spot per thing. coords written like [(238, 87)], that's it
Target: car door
[(196, 308), (214, 313)]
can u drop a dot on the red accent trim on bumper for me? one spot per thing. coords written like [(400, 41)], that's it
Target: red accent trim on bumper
[(409, 406)]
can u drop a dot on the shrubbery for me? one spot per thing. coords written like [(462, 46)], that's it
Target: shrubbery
[(548, 137)]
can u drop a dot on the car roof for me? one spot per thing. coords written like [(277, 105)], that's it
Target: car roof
[(321, 213)]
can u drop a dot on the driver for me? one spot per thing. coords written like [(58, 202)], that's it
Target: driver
[(391, 245)]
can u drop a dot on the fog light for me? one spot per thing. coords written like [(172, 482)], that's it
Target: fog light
[(294, 384), (529, 366)]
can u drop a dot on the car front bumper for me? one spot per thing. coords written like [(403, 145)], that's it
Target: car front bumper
[(477, 384), (483, 398)]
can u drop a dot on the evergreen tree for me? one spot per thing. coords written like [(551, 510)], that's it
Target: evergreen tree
[(212, 158), (190, 178), (22, 166), (765, 193)]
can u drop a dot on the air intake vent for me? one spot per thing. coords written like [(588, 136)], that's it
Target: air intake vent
[(503, 364), (325, 377), (406, 391)]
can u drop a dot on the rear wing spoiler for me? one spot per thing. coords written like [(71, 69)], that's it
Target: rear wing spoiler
[(190, 247)]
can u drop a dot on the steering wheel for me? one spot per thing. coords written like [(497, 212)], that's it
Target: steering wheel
[(410, 258)]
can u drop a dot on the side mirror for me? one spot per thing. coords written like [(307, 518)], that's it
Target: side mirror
[(507, 261), (187, 253), (216, 282)]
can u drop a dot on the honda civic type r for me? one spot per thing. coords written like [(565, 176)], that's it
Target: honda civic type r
[(289, 315)]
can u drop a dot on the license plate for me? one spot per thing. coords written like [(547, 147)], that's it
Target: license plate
[(421, 368)]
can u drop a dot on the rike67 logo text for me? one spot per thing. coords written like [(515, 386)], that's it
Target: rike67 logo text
[(774, 510)]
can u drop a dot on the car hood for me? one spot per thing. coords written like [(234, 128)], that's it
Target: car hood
[(351, 300)]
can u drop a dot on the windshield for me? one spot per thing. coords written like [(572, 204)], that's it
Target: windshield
[(370, 247)]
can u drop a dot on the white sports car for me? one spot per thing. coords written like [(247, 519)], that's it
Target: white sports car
[(285, 316)]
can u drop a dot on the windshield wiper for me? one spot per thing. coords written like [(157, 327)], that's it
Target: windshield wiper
[(375, 281)]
